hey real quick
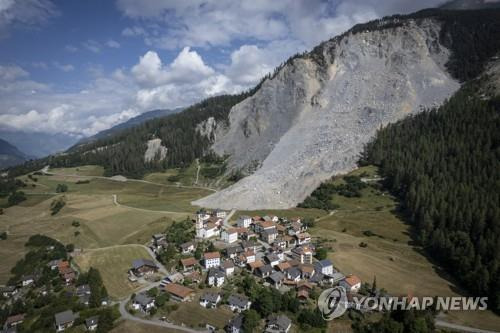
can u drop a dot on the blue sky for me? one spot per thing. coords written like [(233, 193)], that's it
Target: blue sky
[(78, 67)]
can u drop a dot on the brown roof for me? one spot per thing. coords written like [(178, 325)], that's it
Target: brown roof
[(257, 218), (227, 264), (241, 230), (248, 254), (210, 225), (306, 268), (232, 231), (284, 266), (305, 285), (304, 235), (267, 224), (65, 270), (293, 262), (178, 290), (14, 319), (303, 293), (211, 255), (352, 280), (256, 264), (191, 261), (280, 227)]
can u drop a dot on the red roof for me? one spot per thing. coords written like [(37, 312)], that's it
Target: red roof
[(178, 290), (189, 262), (211, 255), (352, 280)]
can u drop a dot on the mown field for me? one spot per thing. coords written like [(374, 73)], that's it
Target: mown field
[(99, 221), (113, 263)]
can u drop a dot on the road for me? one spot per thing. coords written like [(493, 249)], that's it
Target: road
[(460, 328), (126, 315), (225, 222)]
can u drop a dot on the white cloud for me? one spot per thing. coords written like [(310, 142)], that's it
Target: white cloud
[(25, 13), (71, 48), (10, 73), (113, 44), (64, 67), (92, 45)]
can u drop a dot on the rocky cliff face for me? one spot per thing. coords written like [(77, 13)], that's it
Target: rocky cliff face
[(311, 120)]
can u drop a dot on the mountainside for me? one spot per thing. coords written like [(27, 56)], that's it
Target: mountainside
[(140, 119), (10, 155), (312, 119), (38, 144)]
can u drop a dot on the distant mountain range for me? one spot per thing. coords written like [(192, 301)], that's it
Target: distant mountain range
[(10, 155), (128, 124)]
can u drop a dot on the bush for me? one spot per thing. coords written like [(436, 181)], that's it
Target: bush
[(57, 205), (86, 181), (61, 188), (3, 235)]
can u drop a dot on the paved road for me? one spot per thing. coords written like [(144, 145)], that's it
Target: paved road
[(126, 315), (460, 328)]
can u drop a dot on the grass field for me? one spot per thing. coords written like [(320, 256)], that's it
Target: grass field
[(113, 263), (128, 326), (194, 315), (85, 170)]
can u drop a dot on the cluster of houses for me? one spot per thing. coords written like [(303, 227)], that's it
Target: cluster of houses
[(277, 250), (62, 320)]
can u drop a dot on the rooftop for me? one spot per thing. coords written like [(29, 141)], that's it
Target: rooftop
[(178, 290), (65, 317), (211, 255)]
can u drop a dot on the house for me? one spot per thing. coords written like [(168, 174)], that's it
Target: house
[(233, 251), (179, 292), (264, 225), (92, 323), (202, 215), (278, 324), (244, 221), (268, 235), (254, 265), (352, 283), (317, 278), (283, 266), (249, 256), (303, 238), (277, 279), (273, 259), (290, 241), (229, 235), (194, 276), (83, 289), (53, 264), (174, 278), (156, 238), (13, 321), (64, 320), (280, 242), (26, 280), (8, 291), (143, 302), (67, 275), (210, 299), (303, 254), (238, 303), (188, 264), (219, 213), (293, 274), (249, 246), (216, 277), (264, 271), (324, 266), (211, 259), (228, 267), (142, 267), (208, 231), (235, 325), (187, 247), (307, 270)]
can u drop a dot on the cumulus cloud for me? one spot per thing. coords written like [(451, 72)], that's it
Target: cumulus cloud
[(70, 48), (92, 45), (64, 67)]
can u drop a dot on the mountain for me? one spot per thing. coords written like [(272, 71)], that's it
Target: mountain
[(471, 4), (38, 144), (142, 118), (10, 155), (312, 117), (311, 120)]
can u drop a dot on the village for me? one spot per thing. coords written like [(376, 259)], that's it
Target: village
[(216, 269), (278, 253)]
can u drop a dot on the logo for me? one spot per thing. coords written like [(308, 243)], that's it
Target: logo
[(332, 303)]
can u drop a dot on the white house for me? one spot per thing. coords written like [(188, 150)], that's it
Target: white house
[(351, 283), (92, 323), (202, 215), (273, 259), (230, 235), (303, 254), (187, 247), (325, 267), (244, 221), (26, 280), (210, 299), (216, 277), (219, 213), (208, 231), (143, 302), (303, 238), (278, 324), (249, 256), (211, 259), (228, 266), (64, 320), (238, 303)]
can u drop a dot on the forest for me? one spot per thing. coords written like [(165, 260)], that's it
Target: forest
[(444, 166)]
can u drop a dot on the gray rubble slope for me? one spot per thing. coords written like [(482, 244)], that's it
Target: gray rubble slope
[(313, 118)]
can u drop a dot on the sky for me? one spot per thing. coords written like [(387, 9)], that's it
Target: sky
[(79, 67)]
